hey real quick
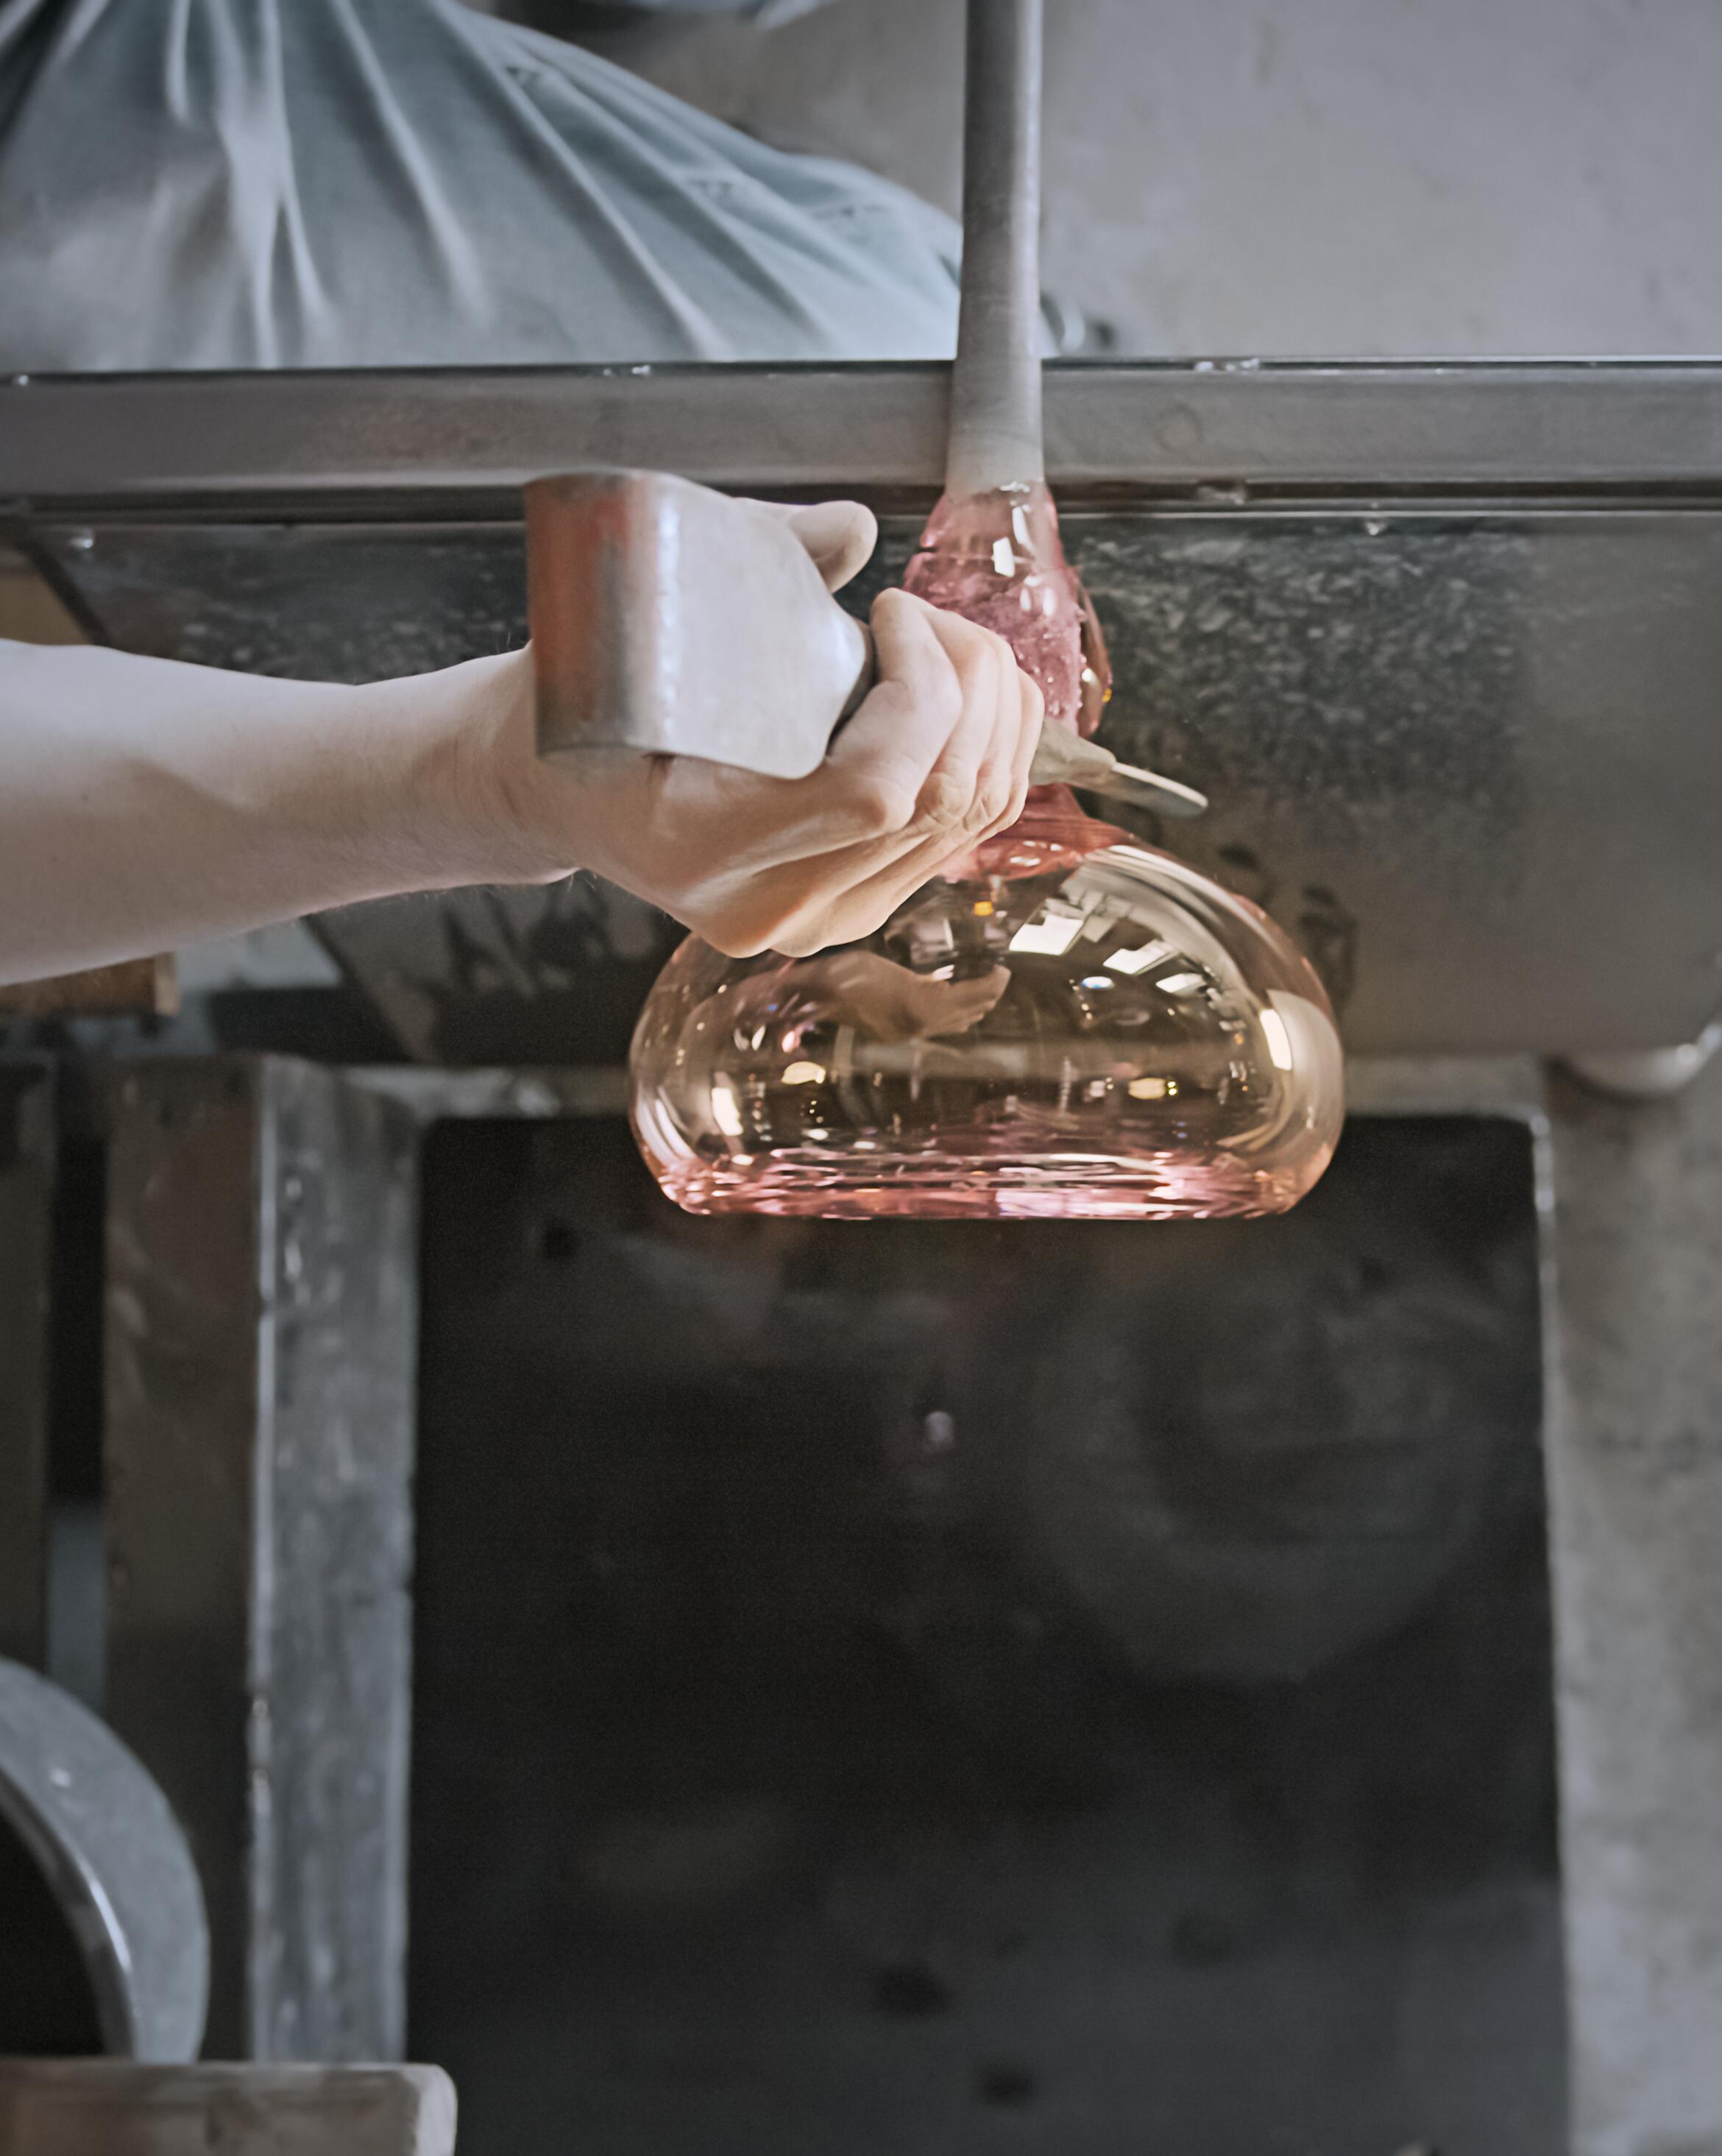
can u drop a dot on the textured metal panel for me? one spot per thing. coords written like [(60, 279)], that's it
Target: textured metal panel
[(27, 1181), (1472, 763), (260, 1344), (322, 602), (1471, 759), (296, 439), (1635, 1461), (953, 1688)]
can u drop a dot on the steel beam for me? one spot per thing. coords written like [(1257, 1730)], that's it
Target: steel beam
[(260, 1344), (130, 442)]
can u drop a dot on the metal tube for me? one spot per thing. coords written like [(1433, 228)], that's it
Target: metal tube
[(995, 391)]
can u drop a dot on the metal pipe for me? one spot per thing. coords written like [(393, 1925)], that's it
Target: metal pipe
[(995, 437)]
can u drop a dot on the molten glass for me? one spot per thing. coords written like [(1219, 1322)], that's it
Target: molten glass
[(997, 559), (1065, 1024)]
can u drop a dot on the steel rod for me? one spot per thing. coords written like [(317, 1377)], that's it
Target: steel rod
[(994, 393)]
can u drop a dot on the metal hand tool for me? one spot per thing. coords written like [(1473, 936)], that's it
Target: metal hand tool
[(674, 620)]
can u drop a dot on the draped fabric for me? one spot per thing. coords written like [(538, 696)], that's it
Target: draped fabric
[(221, 183)]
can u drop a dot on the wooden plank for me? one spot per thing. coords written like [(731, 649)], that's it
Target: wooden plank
[(142, 988)]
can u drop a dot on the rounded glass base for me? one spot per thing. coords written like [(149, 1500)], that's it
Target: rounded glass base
[(982, 1187), (1113, 1038)]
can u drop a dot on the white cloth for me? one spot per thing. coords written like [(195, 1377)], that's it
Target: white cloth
[(223, 184), (769, 14)]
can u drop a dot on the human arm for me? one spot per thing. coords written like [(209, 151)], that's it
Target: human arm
[(145, 803)]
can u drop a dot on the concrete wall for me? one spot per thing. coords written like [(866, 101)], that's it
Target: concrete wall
[(1635, 1463), (1359, 176)]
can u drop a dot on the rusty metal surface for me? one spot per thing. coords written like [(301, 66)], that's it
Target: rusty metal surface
[(260, 1363), (1470, 758), (964, 1688)]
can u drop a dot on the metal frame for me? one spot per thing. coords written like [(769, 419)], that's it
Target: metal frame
[(1628, 1199), (261, 1330), (466, 439)]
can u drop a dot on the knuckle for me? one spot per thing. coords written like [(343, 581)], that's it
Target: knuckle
[(988, 809), (882, 804), (992, 801), (943, 697), (945, 802)]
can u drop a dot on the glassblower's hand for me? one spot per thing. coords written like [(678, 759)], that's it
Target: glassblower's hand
[(144, 802), (936, 759)]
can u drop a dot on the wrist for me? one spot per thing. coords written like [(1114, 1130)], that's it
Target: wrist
[(470, 790)]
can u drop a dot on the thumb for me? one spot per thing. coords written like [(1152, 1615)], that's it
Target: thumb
[(839, 537)]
